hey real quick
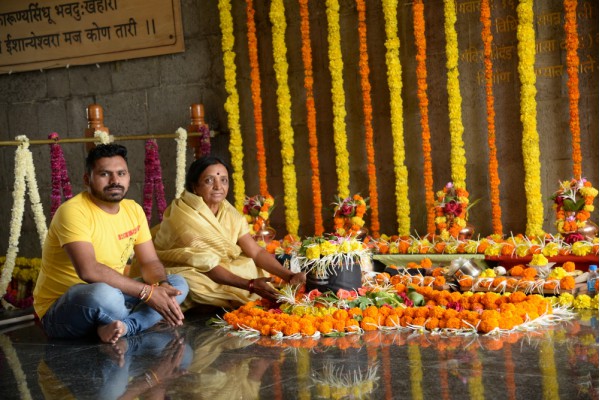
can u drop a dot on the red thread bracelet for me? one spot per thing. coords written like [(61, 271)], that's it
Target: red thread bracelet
[(251, 286)]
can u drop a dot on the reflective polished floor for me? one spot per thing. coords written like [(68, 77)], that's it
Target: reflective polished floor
[(198, 362)]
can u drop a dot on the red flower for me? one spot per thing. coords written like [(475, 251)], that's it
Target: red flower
[(453, 207)]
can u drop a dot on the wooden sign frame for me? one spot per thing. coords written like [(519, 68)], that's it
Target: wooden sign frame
[(61, 33)]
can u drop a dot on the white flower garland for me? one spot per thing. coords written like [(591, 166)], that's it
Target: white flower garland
[(180, 173), (24, 173), (15, 365), (104, 137)]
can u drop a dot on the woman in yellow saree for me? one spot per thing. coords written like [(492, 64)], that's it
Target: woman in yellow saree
[(205, 239)]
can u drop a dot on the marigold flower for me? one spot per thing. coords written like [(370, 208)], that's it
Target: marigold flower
[(368, 324)]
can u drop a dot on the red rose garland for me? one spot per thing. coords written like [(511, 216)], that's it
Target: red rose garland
[(153, 181), (204, 141), (60, 177)]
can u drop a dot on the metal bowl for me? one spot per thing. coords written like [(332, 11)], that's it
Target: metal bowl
[(465, 267)]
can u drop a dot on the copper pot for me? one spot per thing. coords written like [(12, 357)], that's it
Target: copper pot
[(466, 233), (590, 230)]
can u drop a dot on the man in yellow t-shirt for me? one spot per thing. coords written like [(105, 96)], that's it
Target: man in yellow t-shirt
[(81, 289)]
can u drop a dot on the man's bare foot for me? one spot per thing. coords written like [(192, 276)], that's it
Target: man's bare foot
[(112, 332)]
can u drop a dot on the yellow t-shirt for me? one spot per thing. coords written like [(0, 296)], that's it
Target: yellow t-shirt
[(80, 220)]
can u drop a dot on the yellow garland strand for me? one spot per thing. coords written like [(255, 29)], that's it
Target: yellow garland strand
[(284, 106), (394, 73), (548, 370), (236, 148), (530, 141), (303, 369), (475, 381), (457, 147), (336, 67), (416, 371)]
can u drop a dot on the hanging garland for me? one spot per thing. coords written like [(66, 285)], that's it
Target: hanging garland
[(256, 99), (531, 140), (421, 45), (394, 73), (181, 140), (153, 181), (61, 184), (284, 106), (338, 97), (103, 137), (457, 147), (368, 112), (205, 146), (486, 36), (573, 83), (236, 148), (24, 176), (311, 119)]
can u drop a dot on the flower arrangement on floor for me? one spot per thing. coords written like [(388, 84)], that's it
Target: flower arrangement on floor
[(387, 308), (19, 292), (573, 203), (321, 255), (528, 279), (348, 215), (451, 210), (257, 210)]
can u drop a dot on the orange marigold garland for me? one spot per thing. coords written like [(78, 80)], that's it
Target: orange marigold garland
[(256, 99), (573, 82), (417, 308), (311, 119), (368, 114), (486, 36), (419, 29)]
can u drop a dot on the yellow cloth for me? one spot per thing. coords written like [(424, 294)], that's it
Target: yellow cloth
[(192, 240), (80, 220)]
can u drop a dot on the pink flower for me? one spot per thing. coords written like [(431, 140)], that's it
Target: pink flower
[(362, 291), (313, 294), (344, 294)]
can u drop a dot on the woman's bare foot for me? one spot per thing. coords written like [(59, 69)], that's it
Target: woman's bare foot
[(112, 332)]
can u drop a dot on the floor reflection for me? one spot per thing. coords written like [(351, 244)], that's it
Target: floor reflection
[(196, 361)]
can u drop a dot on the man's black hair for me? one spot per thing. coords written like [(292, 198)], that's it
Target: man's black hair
[(102, 151), (198, 167)]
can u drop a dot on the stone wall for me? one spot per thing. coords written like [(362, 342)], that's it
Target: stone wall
[(153, 95)]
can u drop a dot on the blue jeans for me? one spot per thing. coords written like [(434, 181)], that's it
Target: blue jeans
[(84, 307)]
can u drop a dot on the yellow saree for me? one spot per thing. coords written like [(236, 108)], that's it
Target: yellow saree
[(192, 240)]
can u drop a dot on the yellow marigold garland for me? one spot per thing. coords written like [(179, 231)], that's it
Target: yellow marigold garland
[(421, 45), (416, 371), (256, 99), (457, 147), (336, 67), (368, 115), (486, 36), (236, 148), (530, 141), (573, 83), (284, 106), (394, 72), (311, 119)]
